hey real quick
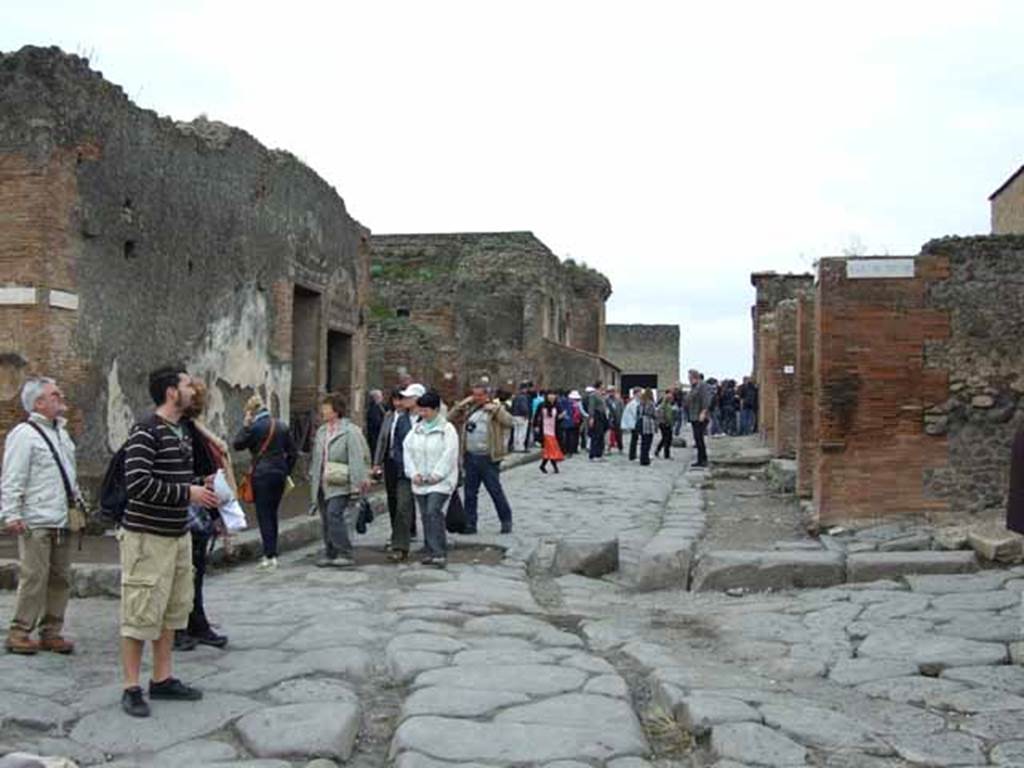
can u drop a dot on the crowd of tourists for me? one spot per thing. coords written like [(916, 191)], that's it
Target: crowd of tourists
[(169, 479)]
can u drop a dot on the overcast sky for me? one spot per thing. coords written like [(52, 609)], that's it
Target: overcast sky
[(675, 146)]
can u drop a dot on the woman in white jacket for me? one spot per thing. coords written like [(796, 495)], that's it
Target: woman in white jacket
[(431, 455)]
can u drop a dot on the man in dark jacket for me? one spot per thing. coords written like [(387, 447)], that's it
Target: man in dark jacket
[(698, 404)]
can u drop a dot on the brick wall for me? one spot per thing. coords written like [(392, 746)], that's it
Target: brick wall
[(872, 391), (807, 429), (1007, 208), (786, 389), (767, 381)]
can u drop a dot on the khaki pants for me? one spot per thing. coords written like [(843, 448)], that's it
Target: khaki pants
[(44, 581)]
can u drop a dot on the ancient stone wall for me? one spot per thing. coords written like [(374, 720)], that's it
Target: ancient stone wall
[(453, 307), (771, 289), (786, 390), (129, 241), (981, 407), (1007, 206), (807, 428), (873, 387), (646, 349)]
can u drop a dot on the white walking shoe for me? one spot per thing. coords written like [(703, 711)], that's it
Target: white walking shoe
[(267, 564)]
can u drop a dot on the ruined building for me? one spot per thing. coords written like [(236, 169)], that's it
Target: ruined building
[(909, 379), (451, 308), (1007, 205), (647, 354), (128, 240)]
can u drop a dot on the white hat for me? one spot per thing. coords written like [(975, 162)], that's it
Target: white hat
[(414, 390), (575, 395), (588, 390)]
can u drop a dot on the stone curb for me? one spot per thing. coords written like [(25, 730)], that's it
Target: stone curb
[(104, 579), (756, 570)]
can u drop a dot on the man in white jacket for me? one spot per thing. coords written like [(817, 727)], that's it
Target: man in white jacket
[(629, 421), (431, 456), (35, 505)]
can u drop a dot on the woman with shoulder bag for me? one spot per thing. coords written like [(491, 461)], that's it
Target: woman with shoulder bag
[(269, 440), (339, 470)]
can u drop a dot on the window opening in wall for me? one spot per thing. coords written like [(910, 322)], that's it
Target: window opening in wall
[(339, 363), (129, 249)]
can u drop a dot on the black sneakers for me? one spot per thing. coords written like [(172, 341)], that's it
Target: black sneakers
[(209, 637), (173, 689), (133, 703)]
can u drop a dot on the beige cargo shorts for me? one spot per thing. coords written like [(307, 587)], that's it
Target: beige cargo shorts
[(156, 583)]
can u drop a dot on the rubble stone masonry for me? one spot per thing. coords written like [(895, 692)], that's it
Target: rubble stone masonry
[(128, 241)]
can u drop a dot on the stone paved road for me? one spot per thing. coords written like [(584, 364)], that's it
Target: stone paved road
[(499, 665)]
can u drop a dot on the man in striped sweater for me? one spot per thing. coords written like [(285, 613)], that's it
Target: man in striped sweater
[(156, 547)]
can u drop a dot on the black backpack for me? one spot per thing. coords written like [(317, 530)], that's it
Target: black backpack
[(114, 488)]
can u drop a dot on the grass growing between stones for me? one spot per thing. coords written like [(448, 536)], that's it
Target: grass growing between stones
[(667, 737)]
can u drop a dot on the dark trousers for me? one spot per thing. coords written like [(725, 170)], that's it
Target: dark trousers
[(597, 440), (197, 623), (391, 474), (634, 436), (617, 431), (747, 421), (480, 469), (645, 449), (699, 429), (268, 488), (336, 525), (572, 441), (404, 522), (665, 430)]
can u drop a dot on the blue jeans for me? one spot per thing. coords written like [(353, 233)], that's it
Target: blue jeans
[(336, 515), (480, 468), (432, 507), (747, 421)]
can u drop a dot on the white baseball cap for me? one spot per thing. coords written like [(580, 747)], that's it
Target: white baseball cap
[(414, 390)]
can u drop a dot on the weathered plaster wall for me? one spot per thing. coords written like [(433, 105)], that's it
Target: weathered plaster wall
[(646, 349), (178, 241)]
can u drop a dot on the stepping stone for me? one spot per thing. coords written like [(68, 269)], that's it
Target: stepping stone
[(311, 689), (533, 679), (871, 566), (296, 730), (458, 702), (754, 744), (756, 570), (509, 742)]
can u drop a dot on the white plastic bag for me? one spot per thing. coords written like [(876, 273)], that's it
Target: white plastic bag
[(231, 511), (233, 516)]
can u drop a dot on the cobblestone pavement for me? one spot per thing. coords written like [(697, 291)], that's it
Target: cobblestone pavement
[(508, 664)]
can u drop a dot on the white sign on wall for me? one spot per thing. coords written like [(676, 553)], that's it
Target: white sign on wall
[(879, 268)]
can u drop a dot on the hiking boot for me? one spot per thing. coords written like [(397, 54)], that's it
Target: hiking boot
[(173, 689), (183, 641), (56, 644), (209, 637), (133, 703), (21, 644)]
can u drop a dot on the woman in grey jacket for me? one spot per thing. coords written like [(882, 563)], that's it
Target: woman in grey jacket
[(339, 469)]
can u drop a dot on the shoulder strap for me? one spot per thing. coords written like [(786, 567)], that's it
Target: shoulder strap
[(60, 465), (267, 439)]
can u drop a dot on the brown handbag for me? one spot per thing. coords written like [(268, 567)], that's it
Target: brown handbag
[(245, 491)]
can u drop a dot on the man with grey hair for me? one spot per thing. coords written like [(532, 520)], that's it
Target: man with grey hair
[(37, 488)]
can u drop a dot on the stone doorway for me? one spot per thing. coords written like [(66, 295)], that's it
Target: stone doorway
[(306, 312)]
